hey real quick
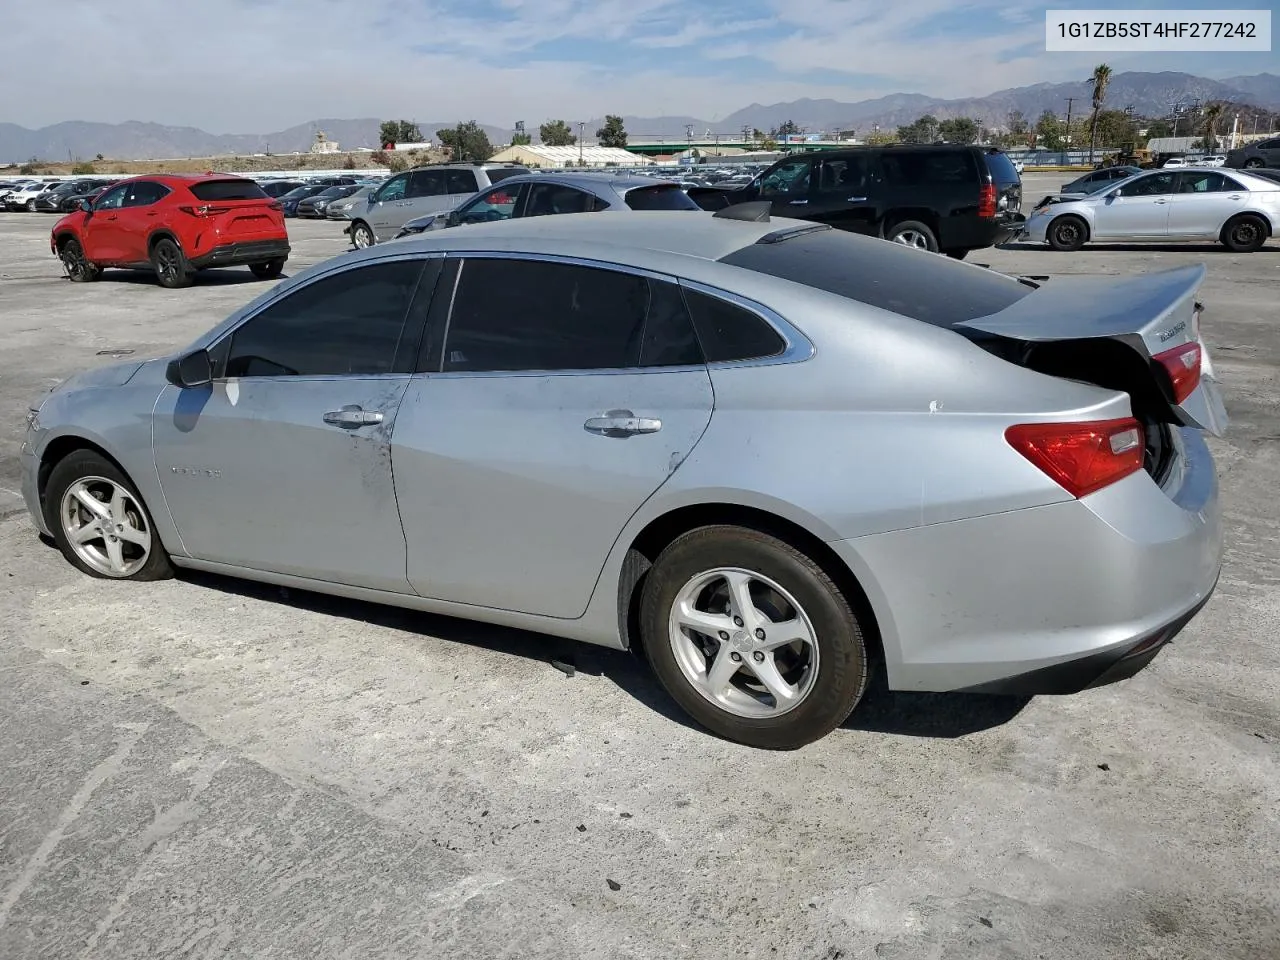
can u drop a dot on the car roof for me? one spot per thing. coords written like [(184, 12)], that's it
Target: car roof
[(621, 182), (181, 179)]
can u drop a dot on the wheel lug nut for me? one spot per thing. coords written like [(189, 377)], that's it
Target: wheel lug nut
[(759, 634), (724, 634), (758, 656), (737, 621), (735, 657)]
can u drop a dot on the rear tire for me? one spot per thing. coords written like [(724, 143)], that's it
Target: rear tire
[(79, 269), (362, 235), (820, 659), (114, 540), (267, 271), (914, 234), (170, 265), (1067, 233), (31, 206), (1245, 233)]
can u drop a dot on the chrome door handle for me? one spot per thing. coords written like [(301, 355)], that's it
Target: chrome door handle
[(1235, 196), (798, 203), (856, 200), (1162, 201), (353, 417), (622, 423)]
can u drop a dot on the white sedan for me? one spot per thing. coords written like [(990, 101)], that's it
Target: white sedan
[(1237, 209)]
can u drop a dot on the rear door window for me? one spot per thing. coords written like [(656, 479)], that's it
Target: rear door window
[(728, 332), (848, 176), (461, 181), (427, 183), (918, 168), (144, 193), (211, 190)]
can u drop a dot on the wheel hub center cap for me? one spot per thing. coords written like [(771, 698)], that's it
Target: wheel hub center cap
[(742, 641)]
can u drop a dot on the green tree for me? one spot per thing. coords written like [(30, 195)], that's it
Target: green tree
[(1113, 128), (1100, 80), (521, 140), (1017, 123), (399, 131), (1209, 125), (1050, 131), (556, 133), (924, 130), (1159, 128), (786, 128), (959, 130), (613, 133), (467, 142)]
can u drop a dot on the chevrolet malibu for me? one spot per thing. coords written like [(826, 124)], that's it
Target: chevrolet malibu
[(770, 455)]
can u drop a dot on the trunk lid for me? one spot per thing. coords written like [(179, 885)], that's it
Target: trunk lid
[(1074, 327)]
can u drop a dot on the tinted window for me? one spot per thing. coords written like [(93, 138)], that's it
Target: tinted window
[(1151, 186), (727, 331), (497, 204), (426, 183), (914, 168), (847, 175), (1205, 181), (1002, 168), (461, 181), (227, 190), (393, 189), (669, 338), (144, 193), (660, 196), (534, 315), (112, 199), (933, 289), (788, 177), (501, 173), (547, 199), (349, 323)]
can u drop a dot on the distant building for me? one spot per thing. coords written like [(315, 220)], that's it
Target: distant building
[(323, 144), (540, 155)]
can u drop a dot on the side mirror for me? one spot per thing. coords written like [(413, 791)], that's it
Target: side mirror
[(453, 219), (193, 370), (86, 206)]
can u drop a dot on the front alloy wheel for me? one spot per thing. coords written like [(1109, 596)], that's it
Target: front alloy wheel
[(361, 235), (78, 267)]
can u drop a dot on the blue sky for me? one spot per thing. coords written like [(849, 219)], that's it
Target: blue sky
[(259, 65)]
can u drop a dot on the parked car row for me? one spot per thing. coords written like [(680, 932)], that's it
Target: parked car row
[(49, 196)]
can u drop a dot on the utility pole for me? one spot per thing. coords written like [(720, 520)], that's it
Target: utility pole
[(582, 126), (1071, 101)]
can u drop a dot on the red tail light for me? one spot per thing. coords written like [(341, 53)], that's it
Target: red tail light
[(987, 201), (1183, 366), (275, 205), (1082, 457), (207, 210)]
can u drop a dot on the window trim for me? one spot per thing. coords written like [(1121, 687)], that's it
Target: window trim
[(406, 353), (796, 346)]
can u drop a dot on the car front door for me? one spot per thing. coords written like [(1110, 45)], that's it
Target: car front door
[(103, 237), (139, 215), (1203, 202), (786, 187), (283, 463), (844, 193), (558, 397), (1139, 209), (386, 205)]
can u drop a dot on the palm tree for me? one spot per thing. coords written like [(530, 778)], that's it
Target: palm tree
[(1209, 130), (1099, 81)]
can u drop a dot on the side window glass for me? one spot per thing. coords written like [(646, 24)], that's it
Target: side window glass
[(1200, 182), (788, 178), (727, 331), (112, 199), (498, 204), (669, 339), (548, 199), (1153, 186), (144, 194), (848, 176), (1228, 184), (426, 183), (461, 181), (535, 315), (348, 324), (393, 189)]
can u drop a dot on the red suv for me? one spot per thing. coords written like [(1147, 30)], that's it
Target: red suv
[(175, 226)]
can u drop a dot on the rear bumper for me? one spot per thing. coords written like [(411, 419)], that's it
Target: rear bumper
[(1049, 599), (972, 233), (241, 254)]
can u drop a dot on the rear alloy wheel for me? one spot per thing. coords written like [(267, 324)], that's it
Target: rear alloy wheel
[(99, 522), (79, 269), (267, 271), (1244, 234), (913, 233), (361, 235), (1067, 234), (1253, 163), (172, 269), (31, 205), (752, 638)]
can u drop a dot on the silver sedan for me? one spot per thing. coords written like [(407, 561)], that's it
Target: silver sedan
[(1234, 208), (773, 456)]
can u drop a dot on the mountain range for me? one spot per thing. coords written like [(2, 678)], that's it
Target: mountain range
[(1149, 94)]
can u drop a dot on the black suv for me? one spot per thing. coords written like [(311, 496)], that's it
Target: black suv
[(944, 198)]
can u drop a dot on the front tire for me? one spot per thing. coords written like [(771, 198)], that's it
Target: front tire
[(77, 265), (31, 206), (752, 638), (1244, 234), (170, 265), (1067, 234), (362, 235), (914, 234), (100, 523), (267, 271)]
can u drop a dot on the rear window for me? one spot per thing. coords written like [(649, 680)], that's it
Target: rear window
[(923, 286), (915, 168), (228, 190), (501, 173), (660, 196), (1002, 168)]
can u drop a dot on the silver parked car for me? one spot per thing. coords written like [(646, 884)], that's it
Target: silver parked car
[(341, 208), (543, 194), (437, 188), (1236, 209), (769, 455)]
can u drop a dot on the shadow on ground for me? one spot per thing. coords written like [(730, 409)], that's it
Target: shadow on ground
[(219, 277), (934, 715)]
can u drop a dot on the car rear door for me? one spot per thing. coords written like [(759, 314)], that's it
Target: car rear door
[(1138, 210), (139, 215), (283, 463), (1203, 201), (556, 398), (428, 193), (845, 192)]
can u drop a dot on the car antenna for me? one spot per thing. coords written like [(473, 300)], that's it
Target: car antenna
[(754, 211)]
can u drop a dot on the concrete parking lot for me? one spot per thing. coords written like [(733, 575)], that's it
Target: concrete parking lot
[(206, 768)]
